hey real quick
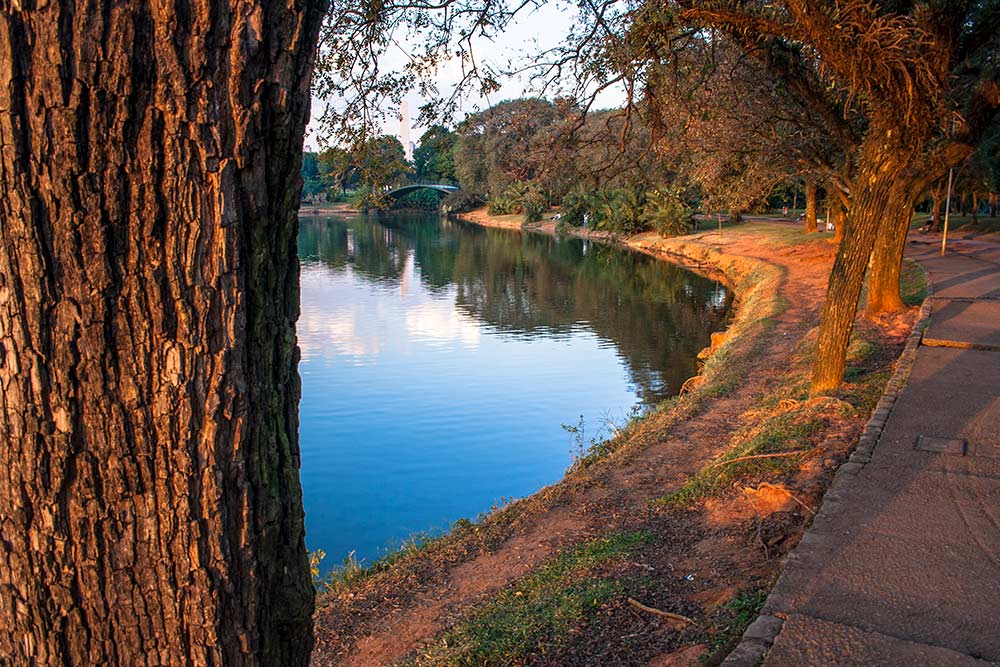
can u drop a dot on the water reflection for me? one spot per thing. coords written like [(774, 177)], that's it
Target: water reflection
[(440, 359)]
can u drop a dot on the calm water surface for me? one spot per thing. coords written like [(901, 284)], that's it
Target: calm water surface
[(441, 360)]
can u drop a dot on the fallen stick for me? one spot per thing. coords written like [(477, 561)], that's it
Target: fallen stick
[(759, 456), (659, 612)]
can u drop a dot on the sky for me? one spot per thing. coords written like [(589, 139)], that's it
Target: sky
[(533, 30)]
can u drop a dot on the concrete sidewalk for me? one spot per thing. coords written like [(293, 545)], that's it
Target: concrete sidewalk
[(902, 563)]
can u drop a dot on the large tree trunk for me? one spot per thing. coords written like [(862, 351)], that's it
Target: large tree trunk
[(839, 214), (881, 163), (810, 204), (887, 260), (150, 508)]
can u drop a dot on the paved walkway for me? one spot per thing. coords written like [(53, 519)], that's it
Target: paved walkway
[(902, 563)]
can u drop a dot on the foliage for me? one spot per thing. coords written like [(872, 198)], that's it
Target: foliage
[(667, 214), (503, 205), (315, 558), (317, 180), (336, 166), (507, 144), (534, 204), (434, 156), (424, 199), (576, 206), (621, 211), (461, 201), (539, 609), (364, 199)]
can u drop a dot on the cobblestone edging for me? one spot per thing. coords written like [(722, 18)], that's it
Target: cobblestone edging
[(760, 636)]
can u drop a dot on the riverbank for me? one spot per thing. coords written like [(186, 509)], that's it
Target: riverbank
[(686, 511)]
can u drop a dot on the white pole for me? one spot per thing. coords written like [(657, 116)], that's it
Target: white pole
[(947, 209)]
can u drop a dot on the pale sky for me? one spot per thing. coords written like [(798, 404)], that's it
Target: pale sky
[(533, 31)]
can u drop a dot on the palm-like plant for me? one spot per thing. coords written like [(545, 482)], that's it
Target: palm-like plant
[(667, 214)]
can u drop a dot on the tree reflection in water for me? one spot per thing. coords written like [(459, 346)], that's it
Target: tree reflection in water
[(656, 315)]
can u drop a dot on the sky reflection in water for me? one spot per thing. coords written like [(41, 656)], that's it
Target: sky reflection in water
[(440, 360)]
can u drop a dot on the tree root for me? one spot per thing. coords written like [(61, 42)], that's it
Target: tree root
[(670, 616)]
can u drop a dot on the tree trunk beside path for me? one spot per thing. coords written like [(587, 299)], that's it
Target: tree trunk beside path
[(150, 507)]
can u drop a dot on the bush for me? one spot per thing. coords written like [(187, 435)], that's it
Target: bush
[(534, 205), (577, 204), (503, 205), (461, 201), (623, 212), (667, 214), (423, 200)]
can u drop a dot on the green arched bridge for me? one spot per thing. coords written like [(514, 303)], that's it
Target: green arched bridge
[(413, 187)]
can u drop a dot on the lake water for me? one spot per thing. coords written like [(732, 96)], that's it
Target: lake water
[(441, 360)]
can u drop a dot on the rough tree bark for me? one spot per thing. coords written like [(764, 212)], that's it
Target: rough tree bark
[(883, 158), (810, 204), (150, 508), (887, 260), (839, 214)]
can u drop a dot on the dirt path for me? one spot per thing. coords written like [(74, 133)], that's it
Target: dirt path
[(389, 632)]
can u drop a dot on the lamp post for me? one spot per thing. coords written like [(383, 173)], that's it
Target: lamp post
[(947, 210)]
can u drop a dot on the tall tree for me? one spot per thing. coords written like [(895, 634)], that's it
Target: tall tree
[(434, 157), (920, 76), (506, 144), (150, 507)]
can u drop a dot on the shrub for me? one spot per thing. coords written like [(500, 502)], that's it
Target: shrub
[(667, 214), (578, 203), (461, 201), (424, 200), (624, 211), (503, 205), (534, 205)]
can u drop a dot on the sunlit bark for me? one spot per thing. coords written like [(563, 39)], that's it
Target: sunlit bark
[(150, 507), (810, 204)]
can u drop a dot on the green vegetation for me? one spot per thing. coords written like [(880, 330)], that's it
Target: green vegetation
[(735, 616), (461, 201), (434, 156), (421, 200), (783, 433), (538, 610), (667, 214), (352, 572), (912, 283)]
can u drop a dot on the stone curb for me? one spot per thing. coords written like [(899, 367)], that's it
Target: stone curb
[(760, 636)]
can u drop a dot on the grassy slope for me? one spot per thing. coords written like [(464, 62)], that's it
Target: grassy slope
[(541, 613)]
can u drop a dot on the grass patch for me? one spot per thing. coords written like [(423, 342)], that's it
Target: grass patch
[(784, 432), (735, 616), (962, 223), (352, 572), (780, 235), (912, 283), (539, 610)]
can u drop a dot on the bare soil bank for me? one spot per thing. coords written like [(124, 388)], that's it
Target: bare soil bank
[(719, 484)]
